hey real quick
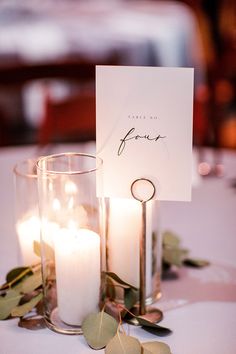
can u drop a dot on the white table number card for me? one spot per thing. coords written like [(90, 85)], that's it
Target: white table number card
[(144, 129)]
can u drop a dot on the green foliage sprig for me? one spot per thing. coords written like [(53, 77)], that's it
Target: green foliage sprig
[(128, 308), (102, 331), (22, 291), (173, 254), (21, 295)]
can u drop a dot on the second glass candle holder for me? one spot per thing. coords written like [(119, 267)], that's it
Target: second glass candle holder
[(71, 238)]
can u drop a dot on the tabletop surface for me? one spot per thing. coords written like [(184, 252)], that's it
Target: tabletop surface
[(199, 306)]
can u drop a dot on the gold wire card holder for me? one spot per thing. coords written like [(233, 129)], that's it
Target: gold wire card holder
[(144, 190)]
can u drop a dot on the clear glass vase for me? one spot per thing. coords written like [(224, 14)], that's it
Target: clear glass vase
[(26, 210), (72, 230), (124, 227)]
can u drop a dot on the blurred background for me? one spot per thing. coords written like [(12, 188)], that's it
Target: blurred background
[(49, 49)]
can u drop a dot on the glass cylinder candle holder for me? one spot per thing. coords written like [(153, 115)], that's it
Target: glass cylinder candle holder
[(26, 210), (124, 228), (71, 238)]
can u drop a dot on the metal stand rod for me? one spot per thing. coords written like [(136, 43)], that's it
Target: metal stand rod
[(142, 265), (142, 251)]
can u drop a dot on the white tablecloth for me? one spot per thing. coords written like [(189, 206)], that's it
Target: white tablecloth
[(199, 306)]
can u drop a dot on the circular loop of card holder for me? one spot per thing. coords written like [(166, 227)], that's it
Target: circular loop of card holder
[(143, 189)]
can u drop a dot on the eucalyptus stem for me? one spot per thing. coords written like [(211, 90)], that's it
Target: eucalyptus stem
[(36, 266), (118, 286), (131, 313), (120, 325)]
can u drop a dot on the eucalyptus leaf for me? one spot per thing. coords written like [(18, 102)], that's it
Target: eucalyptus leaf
[(120, 281), (8, 302), (196, 262), (174, 256), (170, 239), (31, 283), (155, 348), (124, 344), (98, 329), (113, 310), (153, 327), (22, 310), (110, 289), (48, 250), (153, 315), (37, 248), (39, 308), (27, 297), (33, 324), (130, 297), (16, 275)]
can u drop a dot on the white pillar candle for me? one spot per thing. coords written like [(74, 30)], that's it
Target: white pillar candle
[(28, 230), (124, 231), (77, 261)]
